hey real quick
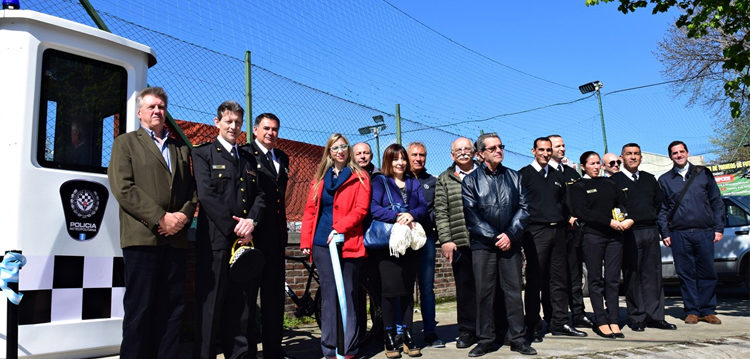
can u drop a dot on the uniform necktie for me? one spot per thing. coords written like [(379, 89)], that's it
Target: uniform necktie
[(233, 152), (635, 176), (560, 167), (269, 155)]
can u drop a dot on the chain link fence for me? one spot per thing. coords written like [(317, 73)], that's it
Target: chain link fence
[(198, 79)]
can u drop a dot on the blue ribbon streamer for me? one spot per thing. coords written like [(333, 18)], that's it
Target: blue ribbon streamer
[(11, 264), (339, 278)]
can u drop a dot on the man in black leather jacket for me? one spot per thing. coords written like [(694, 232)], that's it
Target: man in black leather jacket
[(496, 211)]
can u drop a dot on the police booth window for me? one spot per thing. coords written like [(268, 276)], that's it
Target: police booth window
[(81, 104)]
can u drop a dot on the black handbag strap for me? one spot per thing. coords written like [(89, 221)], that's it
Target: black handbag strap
[(698, 170)]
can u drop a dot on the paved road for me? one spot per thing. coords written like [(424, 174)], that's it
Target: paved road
[(728, 340)]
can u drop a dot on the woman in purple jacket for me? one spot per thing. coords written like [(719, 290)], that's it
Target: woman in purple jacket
[(397, 274)]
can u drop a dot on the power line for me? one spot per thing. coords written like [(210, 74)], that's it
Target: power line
[(476, 52)]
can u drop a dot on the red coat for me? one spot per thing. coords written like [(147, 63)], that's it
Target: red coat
[(351, 203)]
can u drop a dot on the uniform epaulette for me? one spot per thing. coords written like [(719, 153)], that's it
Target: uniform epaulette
[(203, 144), (244, 146), (573, 181)]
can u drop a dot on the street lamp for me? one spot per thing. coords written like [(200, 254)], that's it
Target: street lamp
[(375, 130), (591, 87)]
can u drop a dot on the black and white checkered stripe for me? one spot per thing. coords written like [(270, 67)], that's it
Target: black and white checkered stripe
[(57, 288)]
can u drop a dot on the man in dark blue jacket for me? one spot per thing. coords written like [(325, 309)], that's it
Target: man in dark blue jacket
[(496, 210), (426, 274), (690, 225)]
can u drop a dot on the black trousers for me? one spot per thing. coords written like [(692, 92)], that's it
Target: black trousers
[(222, 305), (463, 274), (495, 270), (546, 275), (154, 301), (330, 304), (641, 268), (602, 251), (272, 299), (575, 273)]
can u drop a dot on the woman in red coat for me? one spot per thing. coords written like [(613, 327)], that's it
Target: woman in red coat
[(338, 202)]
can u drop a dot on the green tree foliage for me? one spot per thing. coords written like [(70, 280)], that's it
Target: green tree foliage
[(699, 18)]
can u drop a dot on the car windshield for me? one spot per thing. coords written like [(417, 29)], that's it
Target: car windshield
[(745, 200)]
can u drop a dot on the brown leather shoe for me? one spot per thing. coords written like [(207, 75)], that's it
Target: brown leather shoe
[(710, 319), (691, 319)]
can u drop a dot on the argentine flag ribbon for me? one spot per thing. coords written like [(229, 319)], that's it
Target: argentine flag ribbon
[(11, 264)]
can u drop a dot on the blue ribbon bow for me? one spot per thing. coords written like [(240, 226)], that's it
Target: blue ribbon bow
[(12, 263)]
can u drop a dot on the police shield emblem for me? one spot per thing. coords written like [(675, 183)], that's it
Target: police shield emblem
[(83, 204)]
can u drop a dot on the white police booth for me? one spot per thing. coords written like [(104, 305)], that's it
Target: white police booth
[(67, 91)]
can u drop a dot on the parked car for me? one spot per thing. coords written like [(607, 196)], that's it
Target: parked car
[(732, 253)]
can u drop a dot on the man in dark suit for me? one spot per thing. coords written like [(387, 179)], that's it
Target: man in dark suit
[(545, 245), (641, 265), (149, 174), (575, 256), (230, 205), (270, 233)]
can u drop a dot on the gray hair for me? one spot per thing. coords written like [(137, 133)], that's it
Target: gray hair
[(153, 91), (480, 141)]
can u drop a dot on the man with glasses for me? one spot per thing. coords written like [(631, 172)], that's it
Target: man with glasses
[(454, 237), (496, 211), (611, 164)]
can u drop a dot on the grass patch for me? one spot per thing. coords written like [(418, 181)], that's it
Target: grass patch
[(291, 322)]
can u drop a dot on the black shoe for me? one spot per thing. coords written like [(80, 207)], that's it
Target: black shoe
[(619, 335), (431, 340), (409, 347), (661, 324), (392, 343), (523, 348), (637, 326), (599, 333), (465, 340), (569, 331), (482, 349), (583, 322)]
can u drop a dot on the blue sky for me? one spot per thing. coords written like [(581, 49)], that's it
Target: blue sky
[(457, 67)]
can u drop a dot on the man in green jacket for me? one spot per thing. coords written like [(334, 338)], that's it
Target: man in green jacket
[(454, 237), (149, 174)]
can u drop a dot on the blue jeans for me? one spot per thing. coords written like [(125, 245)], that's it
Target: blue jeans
[(693, 253), (426, 282)]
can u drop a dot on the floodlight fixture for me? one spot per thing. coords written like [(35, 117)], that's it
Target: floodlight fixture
[(590, 87)]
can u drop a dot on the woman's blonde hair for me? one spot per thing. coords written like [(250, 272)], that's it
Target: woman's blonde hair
[(327, 162)]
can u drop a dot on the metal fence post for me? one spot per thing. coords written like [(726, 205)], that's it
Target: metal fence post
[(248, 98), (11, 340), (398, 123)]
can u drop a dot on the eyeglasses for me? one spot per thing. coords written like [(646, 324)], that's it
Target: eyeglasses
[(339, 148), (495, 148), (613, 163), (459, 151)]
